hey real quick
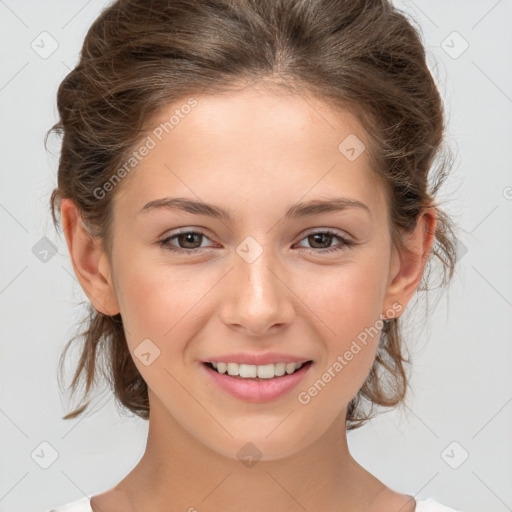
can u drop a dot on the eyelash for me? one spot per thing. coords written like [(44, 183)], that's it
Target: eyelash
[(346, 244)]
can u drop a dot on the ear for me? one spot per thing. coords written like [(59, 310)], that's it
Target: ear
[(409, 264), (90, 262)]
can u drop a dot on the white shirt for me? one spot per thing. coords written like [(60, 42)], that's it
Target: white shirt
[(84, 505)]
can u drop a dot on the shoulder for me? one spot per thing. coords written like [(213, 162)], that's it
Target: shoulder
[(430, 505), (81, 505)]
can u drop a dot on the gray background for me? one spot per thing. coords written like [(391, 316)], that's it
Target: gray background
[(461, 378)]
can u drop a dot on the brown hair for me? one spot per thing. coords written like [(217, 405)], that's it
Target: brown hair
[(139, 56)]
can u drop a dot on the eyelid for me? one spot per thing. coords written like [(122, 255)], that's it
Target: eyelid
[(180, 231), (206, 232), (346, 241), (188, 229), (333, 231)]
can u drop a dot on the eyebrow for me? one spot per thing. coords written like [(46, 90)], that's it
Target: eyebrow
[(309, 208)]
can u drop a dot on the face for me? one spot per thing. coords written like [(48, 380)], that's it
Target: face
[(268, 279)]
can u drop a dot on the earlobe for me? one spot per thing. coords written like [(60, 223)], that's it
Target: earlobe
[(89, 261), (412, 259)]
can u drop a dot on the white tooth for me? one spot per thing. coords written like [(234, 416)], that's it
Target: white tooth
[(247, 371), (266, 371), (233, 369), (280, 369), (290, 368)]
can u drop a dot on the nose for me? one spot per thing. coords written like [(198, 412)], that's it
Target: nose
[(257, 299)]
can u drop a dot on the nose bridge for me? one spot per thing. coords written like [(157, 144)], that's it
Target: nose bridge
[(260, 298), (260, 279)]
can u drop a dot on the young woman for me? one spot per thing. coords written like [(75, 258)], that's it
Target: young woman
[(247, 191)]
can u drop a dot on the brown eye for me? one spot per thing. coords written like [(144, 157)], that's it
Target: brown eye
[(322, 240), (187, 242), (189, 239)]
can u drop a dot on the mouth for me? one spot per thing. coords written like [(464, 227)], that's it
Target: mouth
[(251, 383)]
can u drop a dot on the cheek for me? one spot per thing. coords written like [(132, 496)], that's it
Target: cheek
[(348, 304), (156, 300), (346, 299), (157, 306)]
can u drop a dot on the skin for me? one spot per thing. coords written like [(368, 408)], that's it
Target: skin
[(291, 299)]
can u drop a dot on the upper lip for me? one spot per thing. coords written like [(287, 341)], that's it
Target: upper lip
[(257, 359)]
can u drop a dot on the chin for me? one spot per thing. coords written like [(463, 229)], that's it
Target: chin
[(274, 442)]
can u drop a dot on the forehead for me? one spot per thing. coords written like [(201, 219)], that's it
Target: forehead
[(252, 139)]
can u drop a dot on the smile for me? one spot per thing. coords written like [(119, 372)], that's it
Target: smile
[(256, 383)]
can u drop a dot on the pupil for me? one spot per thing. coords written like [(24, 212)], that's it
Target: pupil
[(188, 237)]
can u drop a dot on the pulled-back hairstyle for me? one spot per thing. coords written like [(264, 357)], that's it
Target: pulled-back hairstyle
[(139, 56)]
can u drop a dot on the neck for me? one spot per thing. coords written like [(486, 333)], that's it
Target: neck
[(179, 472)]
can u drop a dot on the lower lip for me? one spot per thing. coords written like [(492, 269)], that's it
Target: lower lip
[(257, 390)]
